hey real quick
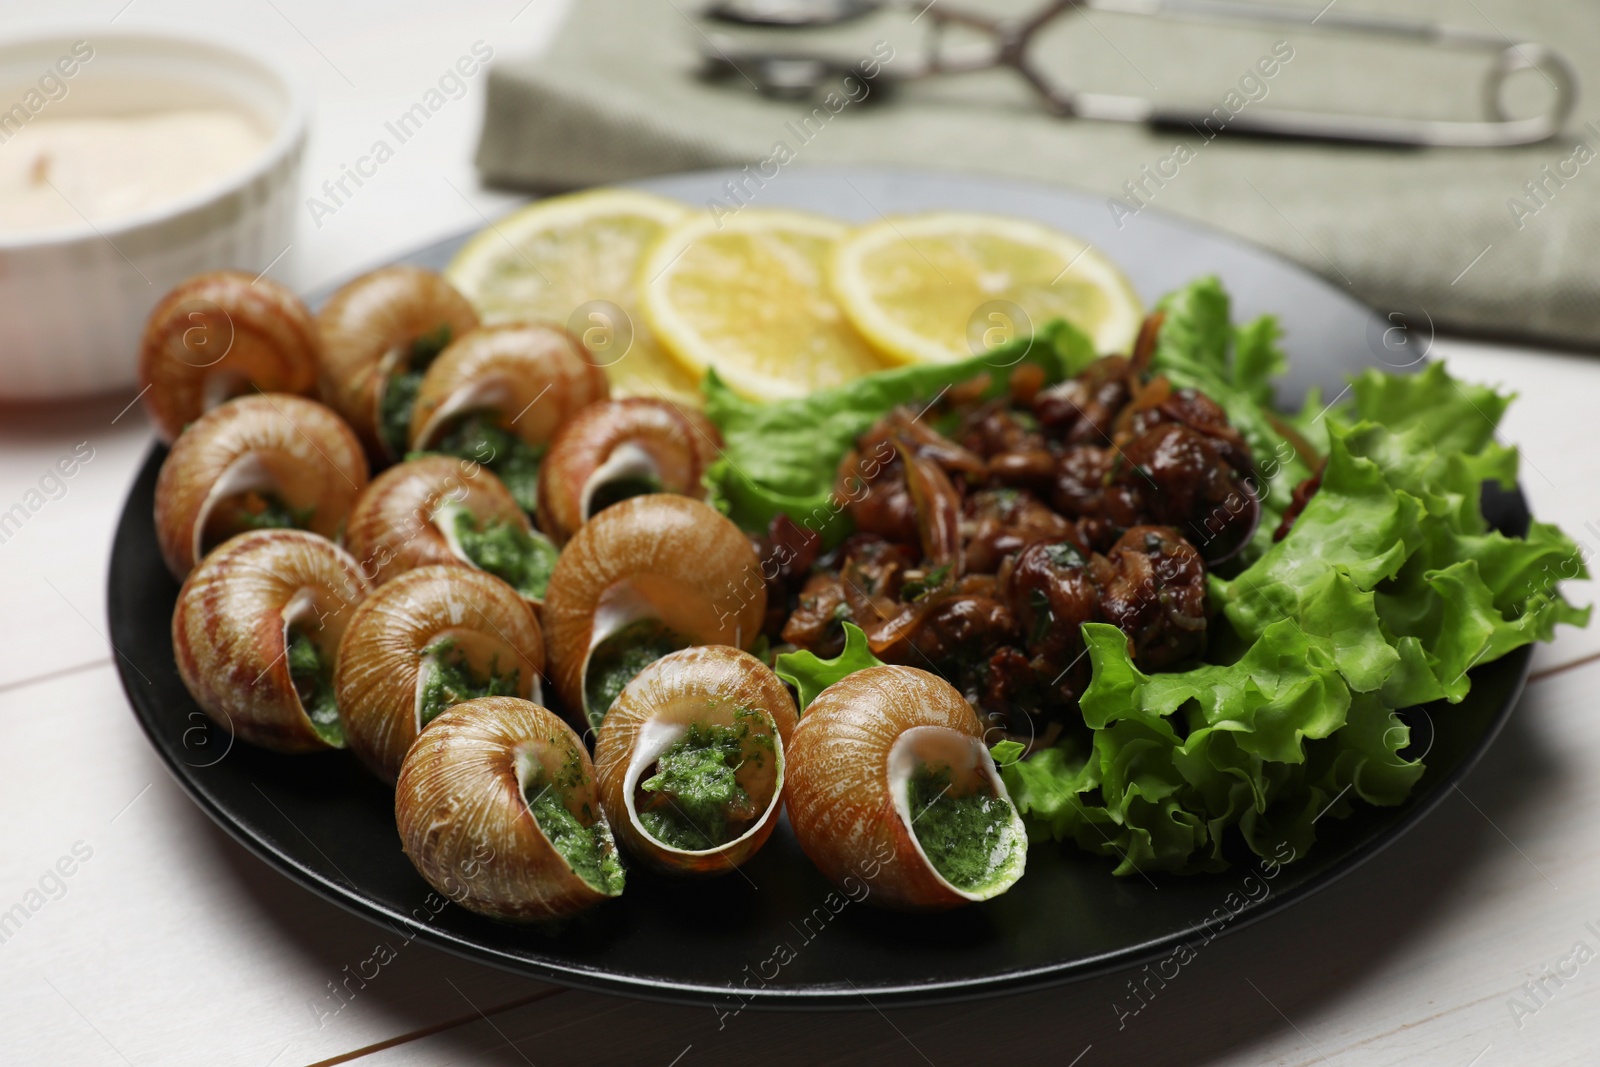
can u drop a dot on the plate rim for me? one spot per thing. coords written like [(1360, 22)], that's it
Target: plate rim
[(815, 997)]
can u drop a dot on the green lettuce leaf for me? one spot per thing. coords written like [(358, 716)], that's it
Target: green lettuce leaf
[(782, 457), (811, 674), (1386, 593)]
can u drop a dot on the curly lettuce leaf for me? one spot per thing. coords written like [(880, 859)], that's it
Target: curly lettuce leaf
[(782, 457), (1389, 589), (810, 674)]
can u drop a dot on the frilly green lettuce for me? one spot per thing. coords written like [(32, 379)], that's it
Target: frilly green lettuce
[(1388, 590), (810, 674)]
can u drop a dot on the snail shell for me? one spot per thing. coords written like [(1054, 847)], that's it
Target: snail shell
[(221, 334), (463, 807), (284, 450), (710, 686), (660, 557), (533, 376), (405, 519), (401, 636), (606, 450), (231, 633), (368, 327), (850, 763)]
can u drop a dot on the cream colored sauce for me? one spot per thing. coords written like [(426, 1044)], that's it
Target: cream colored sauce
[(58, 172)]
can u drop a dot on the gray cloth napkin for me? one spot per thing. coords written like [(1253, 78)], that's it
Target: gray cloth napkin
[(1491, 242)]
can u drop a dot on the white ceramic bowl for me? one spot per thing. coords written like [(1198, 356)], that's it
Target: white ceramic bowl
[(73, 300)]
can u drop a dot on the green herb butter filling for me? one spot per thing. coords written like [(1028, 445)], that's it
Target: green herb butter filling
[(620, 656), (480, 438), (967, 838), (521, 558), (253, 510), (400, 393), (313, 682), (448, 680), (584, 840), (694, 800), (265, 511)]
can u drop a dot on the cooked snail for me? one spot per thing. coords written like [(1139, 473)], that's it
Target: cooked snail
[(432, 638), (497, 395), (645, 577), (256, 633), (439, 509), (889, 769), (498, 810), (379, 334), (690, 759), (221, 334), (256, 462), (609, 452)]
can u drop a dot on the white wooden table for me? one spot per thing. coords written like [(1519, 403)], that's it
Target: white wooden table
[(151, 937)]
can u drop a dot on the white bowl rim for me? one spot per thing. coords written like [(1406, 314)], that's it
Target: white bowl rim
[(290, 135)]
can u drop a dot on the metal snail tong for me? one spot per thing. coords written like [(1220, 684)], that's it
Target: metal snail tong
[(1008, 45)]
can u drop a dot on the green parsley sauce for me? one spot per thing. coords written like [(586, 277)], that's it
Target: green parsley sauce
[(449, 680), (253, 510), (694, 800), (400, 393), (313, 682), (964, 836), (588, 849), (265, 511), (515, 462), (523, 559), (615, 661)]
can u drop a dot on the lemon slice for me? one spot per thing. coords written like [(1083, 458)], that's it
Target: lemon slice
[(572, 260), (748, 295), (945, 286)]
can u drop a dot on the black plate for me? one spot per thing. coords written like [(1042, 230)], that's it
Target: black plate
[(773, 935)]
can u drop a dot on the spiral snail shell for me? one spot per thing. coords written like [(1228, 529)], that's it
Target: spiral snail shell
[(439, 509), (379, 333), (256, 633), (889, 763), (434, 637), (505, 390), (690, 759), (643, 578), (219, 335), (256, 461), (618, 449), (498, 809)]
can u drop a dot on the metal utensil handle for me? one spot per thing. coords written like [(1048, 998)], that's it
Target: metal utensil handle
[(1499, 130)]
